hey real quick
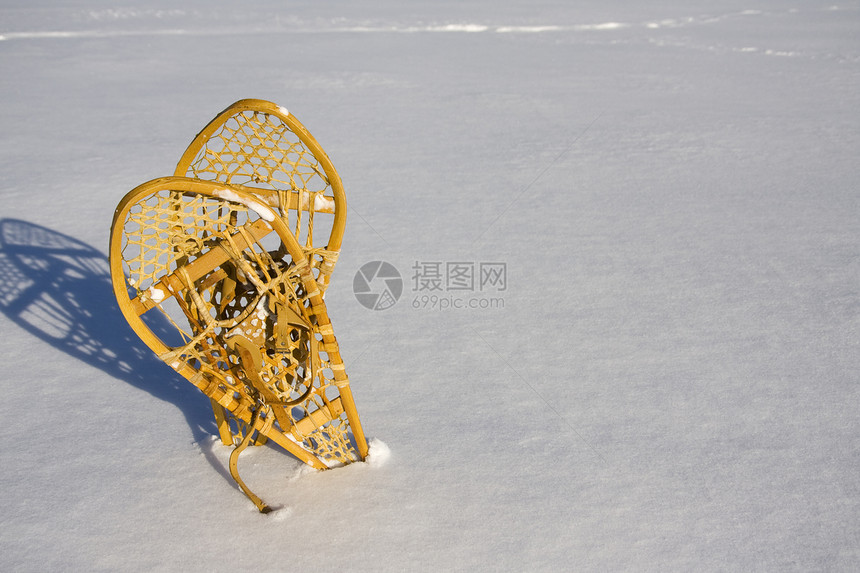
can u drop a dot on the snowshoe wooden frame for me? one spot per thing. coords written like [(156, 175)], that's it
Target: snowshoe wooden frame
[(219, 275), (259, 144)]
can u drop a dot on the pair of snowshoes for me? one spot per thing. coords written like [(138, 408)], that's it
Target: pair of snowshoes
[(220, 271)]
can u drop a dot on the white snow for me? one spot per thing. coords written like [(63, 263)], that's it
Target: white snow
[(527, 29), (156, 295), (323, 202), (378, 453), (457, 28), (263, 211), (671, 382)]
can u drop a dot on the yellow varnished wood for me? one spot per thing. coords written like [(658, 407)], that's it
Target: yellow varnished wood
[(198, 244)]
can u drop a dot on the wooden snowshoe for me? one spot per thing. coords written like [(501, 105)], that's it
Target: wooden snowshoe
[(220, 276), (258, 144)]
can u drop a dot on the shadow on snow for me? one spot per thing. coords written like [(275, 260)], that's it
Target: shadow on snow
[(59, 289)]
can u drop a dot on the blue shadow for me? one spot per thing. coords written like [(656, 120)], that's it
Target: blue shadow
[(59, 290)]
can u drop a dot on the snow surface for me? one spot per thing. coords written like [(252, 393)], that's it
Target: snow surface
[(671, 383)]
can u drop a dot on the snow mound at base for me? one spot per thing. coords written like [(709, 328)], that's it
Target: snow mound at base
[(377, 454)]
